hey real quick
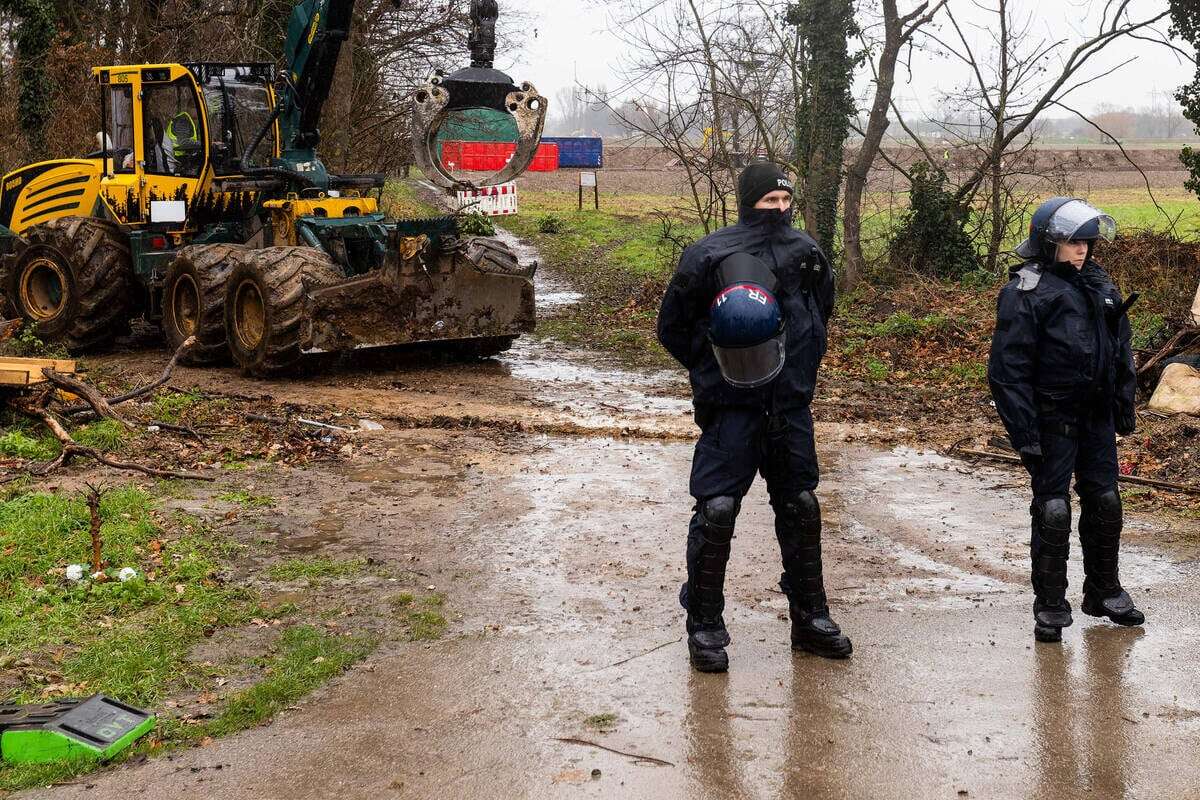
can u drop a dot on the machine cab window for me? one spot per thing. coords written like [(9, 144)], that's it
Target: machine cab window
[(117, 136), (172, 129), (240, 110)]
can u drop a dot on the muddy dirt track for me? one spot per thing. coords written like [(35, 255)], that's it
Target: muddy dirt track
[(549, 504)]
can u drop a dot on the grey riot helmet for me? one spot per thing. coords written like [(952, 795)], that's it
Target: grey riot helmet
[(1064, 219)]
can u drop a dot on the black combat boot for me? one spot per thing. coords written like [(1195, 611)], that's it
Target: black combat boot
[(1049, 547), (703, 596), (798, 528), (1100, 522)]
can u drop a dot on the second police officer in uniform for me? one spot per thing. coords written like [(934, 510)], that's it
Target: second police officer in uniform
[(1062, 374), (745, 313)]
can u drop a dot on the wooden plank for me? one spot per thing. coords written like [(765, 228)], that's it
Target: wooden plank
[(14, 377), (28, 371), (37, 364)]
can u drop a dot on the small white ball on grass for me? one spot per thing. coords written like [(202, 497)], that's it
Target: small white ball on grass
[(126, 573), (74, 572)]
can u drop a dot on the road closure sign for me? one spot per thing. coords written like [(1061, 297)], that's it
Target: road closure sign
[(489, 201)]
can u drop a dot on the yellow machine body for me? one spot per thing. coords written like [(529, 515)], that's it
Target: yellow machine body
[(122, 188)]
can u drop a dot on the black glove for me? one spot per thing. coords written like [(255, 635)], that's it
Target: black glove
[(1031, 457), (1126, 422)]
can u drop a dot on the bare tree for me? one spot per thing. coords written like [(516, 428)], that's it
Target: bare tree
[(1055, 87), (1011, 86), (711, 90), (898, 33)]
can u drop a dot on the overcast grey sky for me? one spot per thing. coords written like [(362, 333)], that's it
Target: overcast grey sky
[(574, 43)]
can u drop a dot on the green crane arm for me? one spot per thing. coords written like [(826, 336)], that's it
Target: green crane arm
[(315, 34)]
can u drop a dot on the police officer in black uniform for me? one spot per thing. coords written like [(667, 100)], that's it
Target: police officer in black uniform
[(750, 427), (1062, 375)]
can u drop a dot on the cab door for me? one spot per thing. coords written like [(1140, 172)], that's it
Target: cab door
[(172, 145), (121, 182)]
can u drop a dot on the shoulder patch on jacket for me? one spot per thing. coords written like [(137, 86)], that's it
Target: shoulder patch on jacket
[(1029, 277)]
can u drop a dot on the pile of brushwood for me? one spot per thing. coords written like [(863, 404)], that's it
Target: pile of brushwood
[(177, 433)]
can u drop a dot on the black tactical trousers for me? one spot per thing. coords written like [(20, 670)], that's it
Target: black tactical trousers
[(736, 444), (1080, 442)]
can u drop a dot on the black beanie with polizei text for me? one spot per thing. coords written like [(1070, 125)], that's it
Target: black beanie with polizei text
[(759, 179)]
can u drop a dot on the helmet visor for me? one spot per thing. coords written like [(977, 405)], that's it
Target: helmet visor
[(748, 367), (1076, 220)]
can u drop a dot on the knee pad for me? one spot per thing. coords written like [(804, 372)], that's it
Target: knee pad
[(803, 505), (1106, 505), (1056, 514), (720, 513)]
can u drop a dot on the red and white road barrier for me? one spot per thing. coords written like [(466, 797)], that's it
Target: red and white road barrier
[(490, 201)]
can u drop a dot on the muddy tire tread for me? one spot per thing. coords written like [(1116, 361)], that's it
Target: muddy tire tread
[(213, 264), (492, 255), (288, 274), (98, 257)]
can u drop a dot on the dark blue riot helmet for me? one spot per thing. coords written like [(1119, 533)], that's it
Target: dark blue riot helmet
[(1064, 219), (746, 325)]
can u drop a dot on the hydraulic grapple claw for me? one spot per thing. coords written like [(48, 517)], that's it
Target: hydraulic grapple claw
[(476, 86)]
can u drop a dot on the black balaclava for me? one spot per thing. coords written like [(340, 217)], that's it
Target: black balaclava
[(756, 181)]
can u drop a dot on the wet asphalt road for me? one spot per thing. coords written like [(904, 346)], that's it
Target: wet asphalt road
[(566, 557), (572, 557)]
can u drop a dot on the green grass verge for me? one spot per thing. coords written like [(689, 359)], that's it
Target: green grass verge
[(295, 569), (402, 200), (21, 442), (304, 659), (171, 406), (423, 619), (128, 639), (243, 498)]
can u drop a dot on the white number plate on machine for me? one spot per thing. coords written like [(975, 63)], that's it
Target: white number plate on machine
[(490, 201)]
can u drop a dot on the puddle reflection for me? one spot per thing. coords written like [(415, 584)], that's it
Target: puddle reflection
[(710, 741)]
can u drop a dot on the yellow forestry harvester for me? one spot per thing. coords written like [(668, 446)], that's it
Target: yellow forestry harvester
[(207, 210)]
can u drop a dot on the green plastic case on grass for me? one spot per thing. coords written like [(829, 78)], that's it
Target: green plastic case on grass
[(98, 727)]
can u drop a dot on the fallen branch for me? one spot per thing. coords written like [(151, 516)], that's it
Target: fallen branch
[(266, 419), (1134, 479), (639, 655), (634, 756), (72, 448), (183, 429), (72, 411), (95, 401), (9, 328), (1167, 350)]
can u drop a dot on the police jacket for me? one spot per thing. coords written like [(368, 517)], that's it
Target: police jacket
[(1060, 348), (805, 295)]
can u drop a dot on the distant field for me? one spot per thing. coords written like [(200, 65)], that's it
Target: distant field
[(636, 220)]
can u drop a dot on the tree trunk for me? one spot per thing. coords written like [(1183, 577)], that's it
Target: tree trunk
[(998, 147), (715, 89), (877, 123)]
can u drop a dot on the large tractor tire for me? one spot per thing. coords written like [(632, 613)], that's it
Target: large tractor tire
[(72, 280), (493, 255), (265, 305), (194, 300)]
